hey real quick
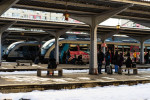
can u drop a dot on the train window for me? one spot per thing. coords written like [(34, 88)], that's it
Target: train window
[(47, 46), (83, 48), (11, 46), (20, 48), (73, 49), (32, 48)]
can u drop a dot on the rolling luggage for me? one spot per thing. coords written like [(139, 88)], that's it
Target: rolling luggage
[(109, 69), (133, 65), (119, 70)]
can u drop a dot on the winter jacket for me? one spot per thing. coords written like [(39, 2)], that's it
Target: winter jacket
[(128, 62), (100, 57)]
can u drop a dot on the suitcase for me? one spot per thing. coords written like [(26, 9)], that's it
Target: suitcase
[(133, 65), (119, 70), (109, 69)]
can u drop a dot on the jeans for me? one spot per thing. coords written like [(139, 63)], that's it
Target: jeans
[(116, 68), (107, 64), (99, 67)]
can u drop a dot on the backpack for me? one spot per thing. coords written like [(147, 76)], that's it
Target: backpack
[(52, 64), (118, 58), (108, 57)]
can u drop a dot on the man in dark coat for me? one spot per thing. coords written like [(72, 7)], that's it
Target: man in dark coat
[(107, 60), (64, 57), (147, 58), (112, 57), (120, 60), (100, 57), (128, 53), (116, 61), (128, 62)]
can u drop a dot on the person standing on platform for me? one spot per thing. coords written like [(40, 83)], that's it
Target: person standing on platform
[(121, 59), (147, 58), (112, 57), (134, 56), (116, 61), (100, 60), (64, 57), (107, 60), (128, 62), (128, 54)]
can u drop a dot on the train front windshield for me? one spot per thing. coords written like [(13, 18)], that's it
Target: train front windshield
[(47, 45), (10, 47)]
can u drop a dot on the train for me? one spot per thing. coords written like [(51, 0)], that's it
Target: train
[(82, 47), (71, 47), (21, 50), (29, 50)]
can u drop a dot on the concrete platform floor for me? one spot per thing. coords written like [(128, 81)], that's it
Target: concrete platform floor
[(15, 82), (12, 65)]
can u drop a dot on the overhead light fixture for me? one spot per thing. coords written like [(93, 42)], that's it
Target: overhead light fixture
[(66, 14), (22, 33), (118, 27)]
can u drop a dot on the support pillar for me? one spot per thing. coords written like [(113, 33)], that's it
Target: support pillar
[(2, 29), (142, 52), (57, 49), (93, 50)]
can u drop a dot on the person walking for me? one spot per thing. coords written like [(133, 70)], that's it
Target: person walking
[(100, 60)]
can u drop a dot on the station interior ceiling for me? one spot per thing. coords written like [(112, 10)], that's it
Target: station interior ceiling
[(139, 12)]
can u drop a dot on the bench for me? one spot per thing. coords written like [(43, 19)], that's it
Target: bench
[(135, 71), (60, 72), (24, 61)]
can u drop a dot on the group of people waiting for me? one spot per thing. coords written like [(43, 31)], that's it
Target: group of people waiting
[(111, 58)]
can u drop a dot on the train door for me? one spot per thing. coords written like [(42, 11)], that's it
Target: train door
[(33, 52), (18, 53), (21, 52)]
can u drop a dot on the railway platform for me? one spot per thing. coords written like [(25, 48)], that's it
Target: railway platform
[(12, 66), (27, 80)]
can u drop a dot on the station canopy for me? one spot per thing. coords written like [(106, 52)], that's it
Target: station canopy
[(139, 12)]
